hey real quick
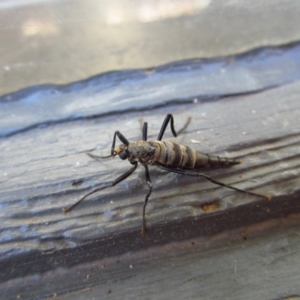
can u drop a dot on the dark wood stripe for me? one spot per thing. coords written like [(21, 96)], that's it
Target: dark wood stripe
[(208, 160)]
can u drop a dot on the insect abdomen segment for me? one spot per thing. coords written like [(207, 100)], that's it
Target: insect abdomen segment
[(175, 155), (212, 161)]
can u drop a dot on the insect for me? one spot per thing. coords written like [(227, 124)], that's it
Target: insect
[(166, 155)]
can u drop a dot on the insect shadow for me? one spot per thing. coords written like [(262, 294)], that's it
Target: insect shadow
[(166, 155)]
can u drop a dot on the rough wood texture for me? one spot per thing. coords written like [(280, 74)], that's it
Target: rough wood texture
[(97, 249), (124, 91)]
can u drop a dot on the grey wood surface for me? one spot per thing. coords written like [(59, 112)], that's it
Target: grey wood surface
[(127, 90), (195, 228)]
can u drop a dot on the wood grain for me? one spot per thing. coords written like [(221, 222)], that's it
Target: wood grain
[(100, 242)]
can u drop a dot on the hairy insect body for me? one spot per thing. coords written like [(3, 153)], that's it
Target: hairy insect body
[(142, 151), (175, 155)]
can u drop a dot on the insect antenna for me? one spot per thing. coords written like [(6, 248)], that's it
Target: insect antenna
[(101, 157)]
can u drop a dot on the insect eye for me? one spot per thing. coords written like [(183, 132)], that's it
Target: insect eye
[(123, 155)]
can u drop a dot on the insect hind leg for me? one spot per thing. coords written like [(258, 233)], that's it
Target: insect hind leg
[(194, 174), (169, 118)]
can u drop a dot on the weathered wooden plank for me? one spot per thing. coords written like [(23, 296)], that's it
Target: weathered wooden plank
[(123, 91), (39, 244), (232, 265), (40, 165)]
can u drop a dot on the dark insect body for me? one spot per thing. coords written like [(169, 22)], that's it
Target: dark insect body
[(168, 156), (172, 154)]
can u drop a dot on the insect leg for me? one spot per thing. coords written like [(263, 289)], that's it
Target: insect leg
[(169, 118), (145, 131), (122, 139), (149, 183), (194, 174), (112, 153), (116, 181)]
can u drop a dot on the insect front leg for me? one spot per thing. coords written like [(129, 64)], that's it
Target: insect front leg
[(194, 174), (116, 134), (169, 118), (116, 181), (122, 139), (149, 183)]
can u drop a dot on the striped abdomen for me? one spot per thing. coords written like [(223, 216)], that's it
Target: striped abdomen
[(175, 155)]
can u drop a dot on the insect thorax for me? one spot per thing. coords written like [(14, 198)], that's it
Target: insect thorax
[(142, 151)]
